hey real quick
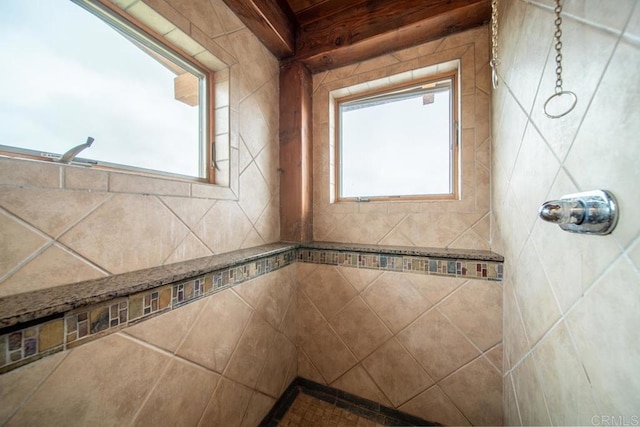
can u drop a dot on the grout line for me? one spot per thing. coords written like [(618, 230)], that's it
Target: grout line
[(39, 251), (37, 387), (164, 352), (164, 261), (213, 392), (574, 346), (61, 176), (454, 372), (70, 251), (490, 349), (460, 368), (160, 199), (301, 349), (515, 398), (595, 93), (520, 319), (195, 322), (320, 83), (151, 390), (196, 226), (373, 380), (453, 402), (86, 215), (536, 373), (124, 334), (243, 144), (330, 325), (457, 328), (394, 228), (580, 19), (270, 348), (535, 346), (237, 344), (24, 223), (256, 90)]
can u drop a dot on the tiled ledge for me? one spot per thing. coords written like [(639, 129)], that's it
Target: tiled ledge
[(38, 323), (28, 306), (450, 254)]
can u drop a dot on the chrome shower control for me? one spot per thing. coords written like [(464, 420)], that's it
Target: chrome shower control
[(591, 212)]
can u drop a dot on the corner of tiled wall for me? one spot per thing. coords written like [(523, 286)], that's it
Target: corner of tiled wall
[(427, 345)]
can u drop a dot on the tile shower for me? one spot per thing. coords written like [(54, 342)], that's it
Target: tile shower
[(227, 357), (232, 337), (398, 328)]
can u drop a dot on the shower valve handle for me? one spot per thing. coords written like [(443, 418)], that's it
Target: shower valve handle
[(591, 212)]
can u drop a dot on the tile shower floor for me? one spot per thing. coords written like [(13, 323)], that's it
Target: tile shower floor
[(309, 411), (306, 403)]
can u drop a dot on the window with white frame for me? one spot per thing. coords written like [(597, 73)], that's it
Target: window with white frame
[(398, 143), (78, 69)]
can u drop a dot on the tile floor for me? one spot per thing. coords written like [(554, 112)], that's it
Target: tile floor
[(309, 411), (306, 403)]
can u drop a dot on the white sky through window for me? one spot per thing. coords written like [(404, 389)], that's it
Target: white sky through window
[(399, 148), (67, 75)]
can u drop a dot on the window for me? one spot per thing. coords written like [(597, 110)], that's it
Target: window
[(399, 142), (73, 72)]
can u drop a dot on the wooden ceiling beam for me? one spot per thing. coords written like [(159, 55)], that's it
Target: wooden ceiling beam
[(325, 9), (375, 27), (272, 21)]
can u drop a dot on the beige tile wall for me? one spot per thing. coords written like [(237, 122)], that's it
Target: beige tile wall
[(570, 301), (452, 224), (221, 361), (427, 345), (62, 224)]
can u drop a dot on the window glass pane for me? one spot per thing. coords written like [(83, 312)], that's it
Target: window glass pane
[(397, 145), (67, 75)]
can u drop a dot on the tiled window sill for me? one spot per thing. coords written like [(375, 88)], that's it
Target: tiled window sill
[(35, 324)]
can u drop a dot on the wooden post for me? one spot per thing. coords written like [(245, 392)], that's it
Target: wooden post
[(296, 178)]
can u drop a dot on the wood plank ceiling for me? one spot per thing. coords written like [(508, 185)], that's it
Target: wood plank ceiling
[(325, 34)]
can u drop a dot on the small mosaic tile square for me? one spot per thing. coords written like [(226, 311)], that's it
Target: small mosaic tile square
[(186, 292), (19, 346), (92, 321)]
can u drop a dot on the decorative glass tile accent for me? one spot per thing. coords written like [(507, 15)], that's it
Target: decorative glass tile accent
[(118, 314), (88, 322), (99, 319), (83, 324), (18, 347), (24, 345), (183, 293), (404, 263), (51, 335), (150, 302)]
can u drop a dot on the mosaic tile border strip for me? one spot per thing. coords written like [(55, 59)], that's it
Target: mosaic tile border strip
[(27, 342), (461, 268), (21, 345)]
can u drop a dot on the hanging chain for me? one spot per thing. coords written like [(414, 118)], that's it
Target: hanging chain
[(549, 109), (558, 35), (494, 43)]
